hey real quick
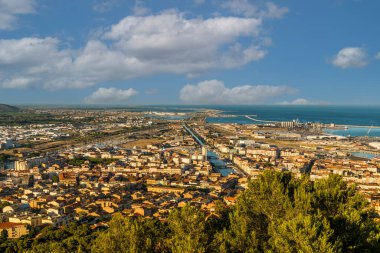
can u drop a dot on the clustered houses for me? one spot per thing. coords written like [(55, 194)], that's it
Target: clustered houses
[(140, 181), (13, 136), (253, 157), (19, 136), (318, 157), (92, 183), (364, 174)]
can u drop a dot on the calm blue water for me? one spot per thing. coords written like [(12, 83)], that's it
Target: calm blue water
[(219, 164), (363, 155), (342, 115), (355, 131)]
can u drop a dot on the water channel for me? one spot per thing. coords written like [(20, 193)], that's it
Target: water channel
[(218, 164)]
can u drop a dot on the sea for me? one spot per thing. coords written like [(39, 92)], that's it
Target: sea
[(360, 120), (341, 115)]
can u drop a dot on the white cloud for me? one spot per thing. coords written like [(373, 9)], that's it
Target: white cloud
[(350, 57), (199, 1), (303, 101), (103, 6), (240, 7), (136, 46), (110, 96), (215, 92), (378, 56), (139, 9), (274, 11), (300, 101), (10, 9), (34, 62), (248, 9)]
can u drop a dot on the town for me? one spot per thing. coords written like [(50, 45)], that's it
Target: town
[(85, 166)]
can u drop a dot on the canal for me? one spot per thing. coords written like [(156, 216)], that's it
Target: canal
[(218, 164), (364, 155)]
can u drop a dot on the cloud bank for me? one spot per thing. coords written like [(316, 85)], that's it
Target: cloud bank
[(110, 96), (136, 46), (11, 9), (303, 101), (248, 9), (215, 92)]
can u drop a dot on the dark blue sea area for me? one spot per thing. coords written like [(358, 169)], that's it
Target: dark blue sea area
[(367, 116), (341, 115), (351, 116)]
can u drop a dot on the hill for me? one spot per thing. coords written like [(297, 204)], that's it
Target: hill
[(8, 108)]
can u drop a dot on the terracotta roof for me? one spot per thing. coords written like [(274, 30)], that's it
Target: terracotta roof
[(9, 224)]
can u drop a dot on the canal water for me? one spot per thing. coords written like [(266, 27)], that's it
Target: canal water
[(216, 162), (363, 155), (219, 164)]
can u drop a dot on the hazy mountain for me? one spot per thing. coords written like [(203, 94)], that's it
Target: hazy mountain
[(8, 108)]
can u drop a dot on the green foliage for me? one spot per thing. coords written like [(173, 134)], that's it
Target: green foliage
[(128, 235), (4, 157), (3, 236), (348, 213), (188, 233), (277, 213), (93, 161), (304, 233), (4, 204), (71, 238), (55, 179)]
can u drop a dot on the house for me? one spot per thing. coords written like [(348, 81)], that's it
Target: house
[(15, 230)]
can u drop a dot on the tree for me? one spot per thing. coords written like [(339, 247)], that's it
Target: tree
[(188, 233), (4, 204), (245, 227), (55, 179), (4, 235), (302, 233), (279, 213), (126, 235), (348, 213)]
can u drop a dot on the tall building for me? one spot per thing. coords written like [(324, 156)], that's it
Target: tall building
[(204, 152)]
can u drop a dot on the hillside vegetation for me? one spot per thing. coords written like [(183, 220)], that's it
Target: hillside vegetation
[(277, 213)]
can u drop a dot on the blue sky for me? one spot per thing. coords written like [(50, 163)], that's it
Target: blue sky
[(189, 51)]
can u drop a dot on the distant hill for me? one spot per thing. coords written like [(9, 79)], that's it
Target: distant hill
[(8, 108)]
